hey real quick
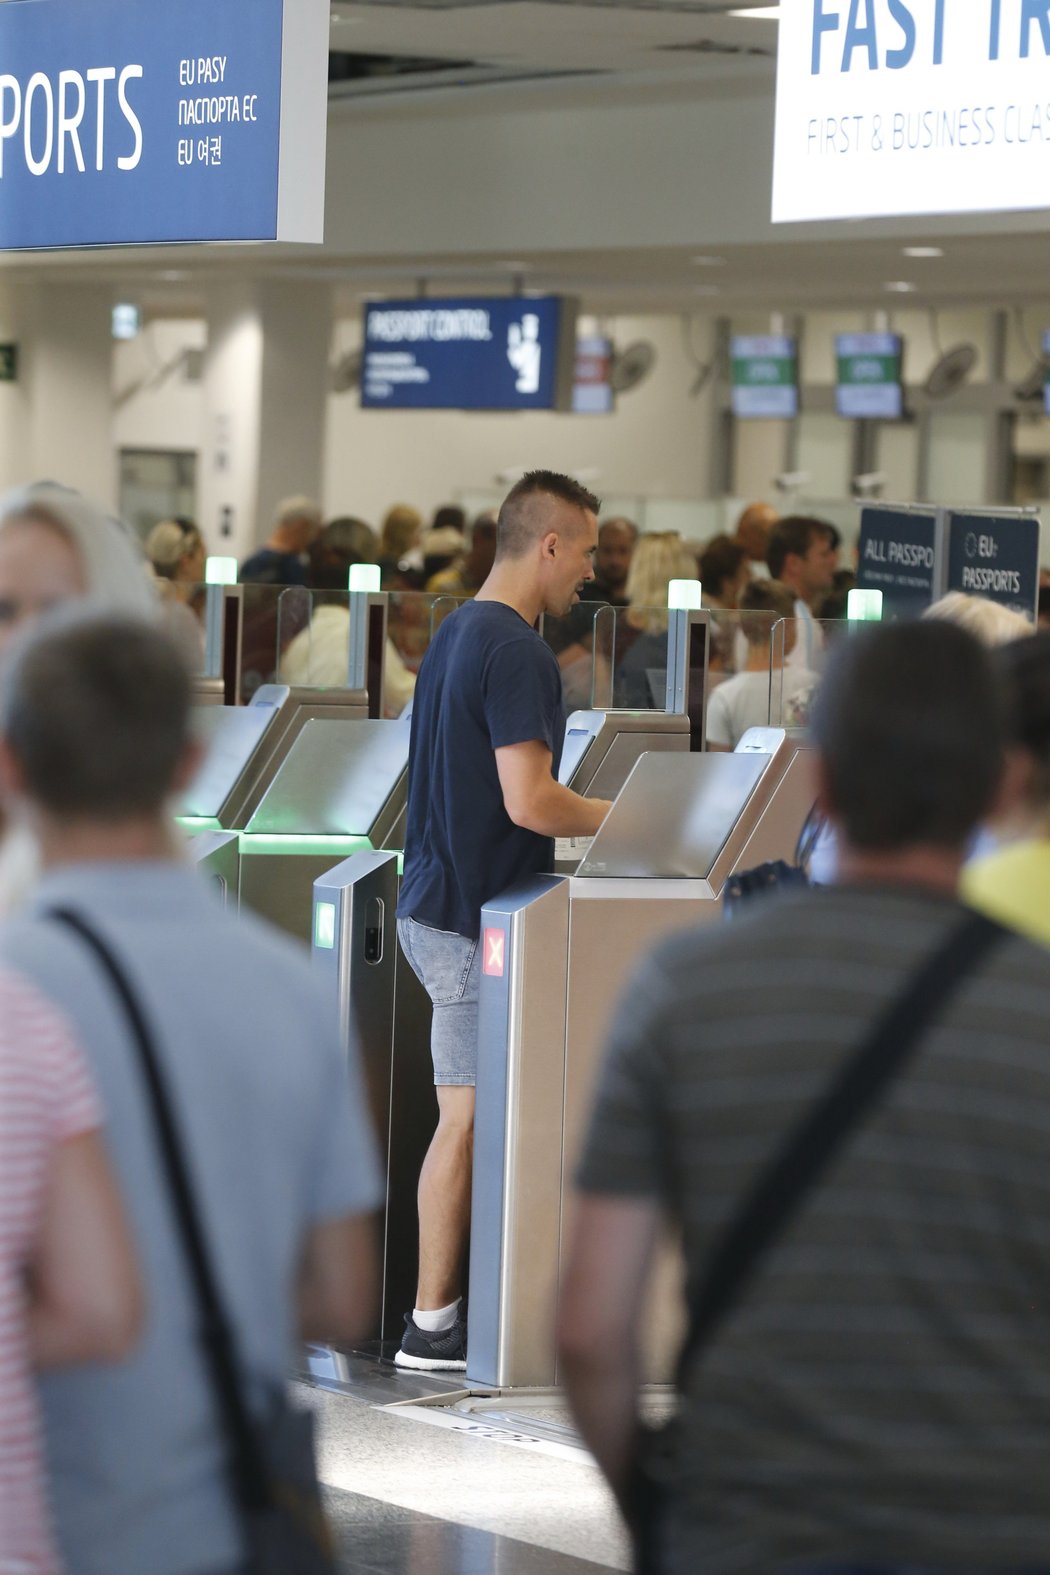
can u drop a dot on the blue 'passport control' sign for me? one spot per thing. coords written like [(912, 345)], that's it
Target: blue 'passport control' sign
[(898, 555), (483, 353), (996, 557), (124, 123)]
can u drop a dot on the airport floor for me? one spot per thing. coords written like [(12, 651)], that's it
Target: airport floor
[(425, 1478)]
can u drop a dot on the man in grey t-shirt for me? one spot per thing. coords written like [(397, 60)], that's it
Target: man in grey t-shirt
[(880, 1396), (93, 740)]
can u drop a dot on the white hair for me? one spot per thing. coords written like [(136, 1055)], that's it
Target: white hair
[(987, 621), (114, 564)]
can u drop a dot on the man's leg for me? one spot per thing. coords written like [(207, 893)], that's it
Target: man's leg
[(444, 1200)]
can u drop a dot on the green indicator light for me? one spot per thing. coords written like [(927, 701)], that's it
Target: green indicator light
[(324, 925), (365, 577), (193, 823), (683, 594), (252, 842), (864, 606), (220, 571), (401, 864)]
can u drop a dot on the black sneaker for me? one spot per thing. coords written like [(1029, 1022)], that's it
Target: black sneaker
[(444, 1351)]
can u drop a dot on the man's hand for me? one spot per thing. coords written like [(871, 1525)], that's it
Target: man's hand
[(535, 801)]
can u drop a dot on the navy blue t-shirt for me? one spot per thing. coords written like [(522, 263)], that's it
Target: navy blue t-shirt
[(487, 681)]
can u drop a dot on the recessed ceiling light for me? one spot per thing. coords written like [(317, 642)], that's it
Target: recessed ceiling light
[(922, 251), (706, 289), (515, 267), (767, 13), (900, 286), (704, 261), (173, 275)]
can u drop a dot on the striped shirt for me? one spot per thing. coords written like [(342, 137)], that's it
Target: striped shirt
[(45, 1099), (881, 1395)]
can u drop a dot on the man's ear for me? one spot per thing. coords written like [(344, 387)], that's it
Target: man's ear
[(12, 777), (549, 545), (188, 766)]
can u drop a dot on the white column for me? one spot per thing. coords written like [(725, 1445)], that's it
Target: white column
[(266, 383), (62, 405)]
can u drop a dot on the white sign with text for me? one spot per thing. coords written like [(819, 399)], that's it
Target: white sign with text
[(892, 107)]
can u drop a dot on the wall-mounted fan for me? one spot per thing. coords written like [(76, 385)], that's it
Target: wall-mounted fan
[(631, 366)]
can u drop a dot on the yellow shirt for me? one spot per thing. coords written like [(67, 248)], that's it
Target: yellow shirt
[(1013, 886)]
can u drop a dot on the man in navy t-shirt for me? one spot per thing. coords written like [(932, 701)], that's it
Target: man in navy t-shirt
[(484, 804)]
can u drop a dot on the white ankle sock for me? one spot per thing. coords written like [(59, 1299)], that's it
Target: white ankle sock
[(438, 1318)]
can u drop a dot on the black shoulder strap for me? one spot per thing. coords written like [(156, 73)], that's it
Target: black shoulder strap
[(782, 1187), (247, 1464)]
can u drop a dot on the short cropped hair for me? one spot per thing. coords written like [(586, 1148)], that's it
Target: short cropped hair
[(291, 510), (911, 723), (97, 712), (757, 601), (793, 534), (720, 561), (522, 518)]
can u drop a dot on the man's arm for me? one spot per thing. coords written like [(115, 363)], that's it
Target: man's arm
[(338, 1280), (602, 1297), (85, 1299), (537, 802)]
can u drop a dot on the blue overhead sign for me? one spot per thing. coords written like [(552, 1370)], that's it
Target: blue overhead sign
[(997, 557), (124, 123), (483, 353), (899, 556)]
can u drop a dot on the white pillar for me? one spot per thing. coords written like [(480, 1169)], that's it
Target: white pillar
[(56, 421), (266, 384)]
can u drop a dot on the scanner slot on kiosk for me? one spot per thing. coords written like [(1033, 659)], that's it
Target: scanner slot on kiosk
[(341, 790), (681, 826), (216, 855)]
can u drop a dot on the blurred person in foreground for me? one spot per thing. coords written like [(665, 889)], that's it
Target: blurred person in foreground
[(69, 1291), (281, 560), (878, 1399), (57, 546), (484, 805), (987, 621), (94, 741), (1011, 881)]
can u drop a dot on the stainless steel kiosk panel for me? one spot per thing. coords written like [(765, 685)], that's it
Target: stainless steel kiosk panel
[(341, 789), (385, 1013), (601, 747), (680, 827), (216, 856), (238, 748), (303, 706)]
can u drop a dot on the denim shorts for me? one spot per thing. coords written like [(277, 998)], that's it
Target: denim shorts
[(448, 966)]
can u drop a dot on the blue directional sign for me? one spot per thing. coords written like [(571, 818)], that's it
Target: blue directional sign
[(997, 557), (898, 555), (129, 123), (481, 353)]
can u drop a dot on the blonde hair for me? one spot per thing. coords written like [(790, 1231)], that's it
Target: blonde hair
[(402, 528), (658, 559), (986, 621)]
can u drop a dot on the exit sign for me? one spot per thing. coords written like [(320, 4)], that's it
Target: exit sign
[(8, 363)]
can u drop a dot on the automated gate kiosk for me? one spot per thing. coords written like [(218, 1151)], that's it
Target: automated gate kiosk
[(682, 825), (215, 854), (341, 790), (385, 1010), (244, 747)]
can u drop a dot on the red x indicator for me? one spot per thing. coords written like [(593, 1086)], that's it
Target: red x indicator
[(495, 942)]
